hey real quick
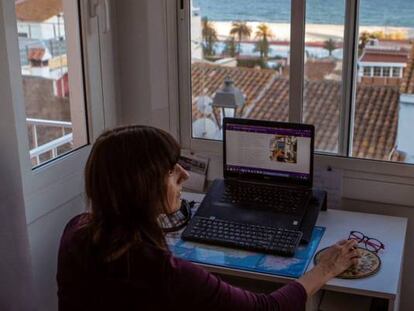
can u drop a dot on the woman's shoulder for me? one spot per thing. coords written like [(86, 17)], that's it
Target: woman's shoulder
[(72, 228), (78, 221)]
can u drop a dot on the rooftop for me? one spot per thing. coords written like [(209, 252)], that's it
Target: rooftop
[(407, 86), (38, 54), (376, 115), (37, 10), (384, 56)]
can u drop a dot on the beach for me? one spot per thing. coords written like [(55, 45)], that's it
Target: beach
[(314, 32)]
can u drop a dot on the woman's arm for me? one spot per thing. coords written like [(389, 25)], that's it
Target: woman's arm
[(192, 287), (333, 261)]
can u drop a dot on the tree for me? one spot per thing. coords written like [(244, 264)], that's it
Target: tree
[(329, 45), (242, 31), (364, 37), (210, 37), (263, 34), (231, 47)]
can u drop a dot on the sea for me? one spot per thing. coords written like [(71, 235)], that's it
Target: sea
[(387, 13)]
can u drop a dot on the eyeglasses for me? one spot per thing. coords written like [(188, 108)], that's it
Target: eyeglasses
[(371, 244)]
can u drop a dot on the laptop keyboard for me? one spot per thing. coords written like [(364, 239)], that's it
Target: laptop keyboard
[(241, 235), (279, 199)]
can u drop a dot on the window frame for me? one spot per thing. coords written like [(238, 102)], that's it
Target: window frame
[(368, 170), (58, 181)]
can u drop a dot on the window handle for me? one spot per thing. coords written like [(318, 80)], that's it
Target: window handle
[(93, 8), (107, 6), (93, 12)]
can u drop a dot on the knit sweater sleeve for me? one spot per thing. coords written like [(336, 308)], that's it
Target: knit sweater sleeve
[(194, 288)]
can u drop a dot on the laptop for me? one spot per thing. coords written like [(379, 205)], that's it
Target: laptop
[(268, 173)]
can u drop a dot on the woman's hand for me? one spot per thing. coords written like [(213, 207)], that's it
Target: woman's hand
[(332, 262), (339, 257)]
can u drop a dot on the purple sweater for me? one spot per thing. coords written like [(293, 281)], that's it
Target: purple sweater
[(147, 278)]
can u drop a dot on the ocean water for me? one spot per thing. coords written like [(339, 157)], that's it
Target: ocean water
[(391, 13)]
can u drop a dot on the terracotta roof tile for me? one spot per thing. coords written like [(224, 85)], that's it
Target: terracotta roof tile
[(37, 10), (36, 54), (407, 85), (376, 116), (384, 56)]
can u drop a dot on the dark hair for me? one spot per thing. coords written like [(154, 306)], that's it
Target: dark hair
[(125, 180)]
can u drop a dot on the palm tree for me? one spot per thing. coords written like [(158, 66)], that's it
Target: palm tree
[(263, 34), (365, 37), (230, 48), (209, 35), (242, 31), (329, 45)]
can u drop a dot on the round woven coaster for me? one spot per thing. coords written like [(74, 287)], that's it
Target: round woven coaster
[(369, 264)]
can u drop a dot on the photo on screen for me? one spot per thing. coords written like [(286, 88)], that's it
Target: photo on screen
[(284, 149)]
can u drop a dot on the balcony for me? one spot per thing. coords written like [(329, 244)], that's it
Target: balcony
[(41, 153)]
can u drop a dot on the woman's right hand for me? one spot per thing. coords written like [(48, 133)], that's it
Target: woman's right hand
[(339, 257), (333, 261)]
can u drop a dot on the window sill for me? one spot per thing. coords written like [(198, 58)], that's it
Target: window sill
[(366, 180)]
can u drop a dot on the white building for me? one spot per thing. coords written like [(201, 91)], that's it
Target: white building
[(382, 64), (51, 28)]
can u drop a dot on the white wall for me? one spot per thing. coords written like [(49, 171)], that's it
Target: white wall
[(44, 235), (406, 130), (142, 50)]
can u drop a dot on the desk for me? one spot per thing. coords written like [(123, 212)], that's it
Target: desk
[(390, 230)]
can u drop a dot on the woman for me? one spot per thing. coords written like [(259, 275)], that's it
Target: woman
[(115, 256)]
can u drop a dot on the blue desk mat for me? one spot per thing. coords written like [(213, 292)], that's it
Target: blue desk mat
[(244, 260)]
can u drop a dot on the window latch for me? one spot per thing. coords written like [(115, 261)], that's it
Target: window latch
[(94, 12), (93, 8)]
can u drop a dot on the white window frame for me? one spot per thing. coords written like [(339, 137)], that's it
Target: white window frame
[(377, 69), (386, 72), (365, 70), (60, 180), (373, 175)]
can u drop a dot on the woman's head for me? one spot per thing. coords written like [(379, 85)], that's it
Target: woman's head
[(131, 177)]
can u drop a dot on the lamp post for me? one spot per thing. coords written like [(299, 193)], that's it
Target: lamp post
[(229, 100)]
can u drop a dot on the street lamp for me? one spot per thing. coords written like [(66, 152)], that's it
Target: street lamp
[(229, 100)]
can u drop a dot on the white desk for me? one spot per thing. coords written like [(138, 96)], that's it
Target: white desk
[(390, 230)]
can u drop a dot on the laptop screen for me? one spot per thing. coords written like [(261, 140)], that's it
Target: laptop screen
[(269, 150)]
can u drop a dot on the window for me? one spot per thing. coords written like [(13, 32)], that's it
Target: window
[(367, 71), (396, 72), (254, 56), (316, 80), (380, 131), (52, 74), (377, 71)]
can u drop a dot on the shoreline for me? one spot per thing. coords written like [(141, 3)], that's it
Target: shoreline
[(314, 32)]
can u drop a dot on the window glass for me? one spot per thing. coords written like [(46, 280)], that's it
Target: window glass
[(396, 72), (377, 71), (384, 108), (367, 71), (246, 42), (52, 74), (323, 70)]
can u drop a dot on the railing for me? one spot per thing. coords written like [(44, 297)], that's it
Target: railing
[(52, 146)]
